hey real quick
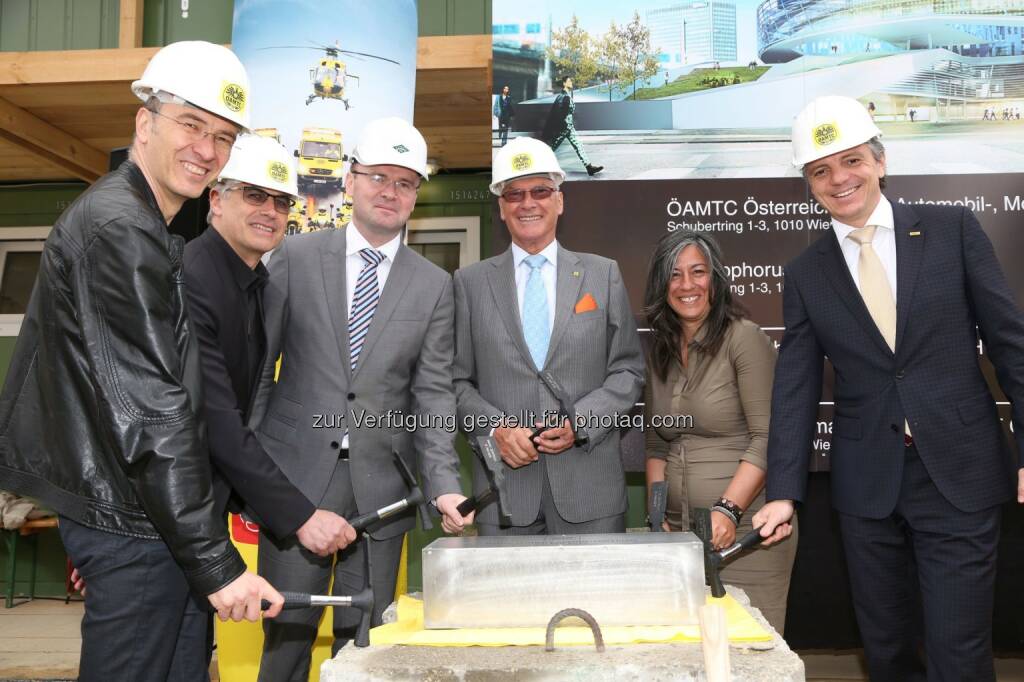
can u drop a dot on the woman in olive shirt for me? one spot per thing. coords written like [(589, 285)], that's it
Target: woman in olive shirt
[(706, 407)]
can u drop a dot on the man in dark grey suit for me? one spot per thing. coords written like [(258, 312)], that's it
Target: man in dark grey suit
[(538, 307), (364, 326), (896, 297)]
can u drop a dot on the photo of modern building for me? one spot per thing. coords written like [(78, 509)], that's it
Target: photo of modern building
[(733, 74)]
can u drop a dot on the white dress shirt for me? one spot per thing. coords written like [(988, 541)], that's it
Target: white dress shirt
[(883, 243), (547, 275), (354, 243)]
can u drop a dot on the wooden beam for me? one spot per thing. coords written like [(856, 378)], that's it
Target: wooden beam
[(453, 52), (74, 66), (130, 24), (51, 143), (127, 64)]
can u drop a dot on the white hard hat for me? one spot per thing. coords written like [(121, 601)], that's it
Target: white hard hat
[(521, 157), (206, 75), (392, 141), (261, 161), (828, 125)]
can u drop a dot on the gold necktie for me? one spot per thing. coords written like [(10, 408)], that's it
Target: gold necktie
[(874, 286), (875, 289)]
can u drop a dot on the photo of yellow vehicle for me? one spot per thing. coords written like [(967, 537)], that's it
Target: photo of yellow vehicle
[(321, 158)]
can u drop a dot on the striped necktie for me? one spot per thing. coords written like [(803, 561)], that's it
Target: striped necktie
[(364, 303)]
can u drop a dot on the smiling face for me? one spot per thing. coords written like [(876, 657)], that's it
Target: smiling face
[(689, 288), (177, 166), (531, 222), (250, 230), (847, 184)]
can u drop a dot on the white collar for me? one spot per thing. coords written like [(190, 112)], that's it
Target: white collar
[(356, 242), (550, 252), (880, 217)]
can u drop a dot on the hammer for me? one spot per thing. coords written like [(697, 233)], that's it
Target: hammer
[(713, 560), (414, 498), (487, 448), (362, 600)]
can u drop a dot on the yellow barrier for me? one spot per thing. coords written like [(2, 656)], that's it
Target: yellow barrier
[(239, 645)]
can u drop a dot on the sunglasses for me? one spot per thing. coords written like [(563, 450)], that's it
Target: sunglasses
[(514, 196), (256, 197)]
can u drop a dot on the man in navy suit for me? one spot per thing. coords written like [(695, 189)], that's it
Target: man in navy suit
[(896, 298)]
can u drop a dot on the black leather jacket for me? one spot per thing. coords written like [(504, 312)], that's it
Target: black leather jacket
[(98, 416)]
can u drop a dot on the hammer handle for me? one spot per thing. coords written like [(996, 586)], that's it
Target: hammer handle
[(471, 504)]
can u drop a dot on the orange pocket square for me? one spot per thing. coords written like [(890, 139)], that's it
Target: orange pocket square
[(586, 304)]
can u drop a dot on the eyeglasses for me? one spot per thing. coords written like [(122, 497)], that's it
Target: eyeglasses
[(514, 196), (256, 197), (403, 188), (222, 142)]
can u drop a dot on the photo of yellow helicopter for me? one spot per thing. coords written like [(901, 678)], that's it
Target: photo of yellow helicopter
[(329, 75)]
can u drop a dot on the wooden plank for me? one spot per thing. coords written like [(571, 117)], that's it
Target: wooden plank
[(74, 66), (129, 32), (127, 64), (453, 52), (53, 144)]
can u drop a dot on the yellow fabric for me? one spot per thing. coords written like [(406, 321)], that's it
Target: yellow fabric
[(409, 630), (240, 645)]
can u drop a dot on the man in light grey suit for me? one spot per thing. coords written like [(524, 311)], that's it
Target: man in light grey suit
[(364, 326), (538, 307)]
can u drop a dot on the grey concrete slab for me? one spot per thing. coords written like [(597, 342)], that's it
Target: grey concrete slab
[(774, 662)]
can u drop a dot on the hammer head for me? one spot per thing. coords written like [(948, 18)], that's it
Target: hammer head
[(701, 519), (494, 466)]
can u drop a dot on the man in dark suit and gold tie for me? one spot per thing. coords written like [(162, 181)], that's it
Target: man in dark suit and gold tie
[(896, 297)]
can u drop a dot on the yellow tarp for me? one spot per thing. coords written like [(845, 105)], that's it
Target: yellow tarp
[(409, 630)]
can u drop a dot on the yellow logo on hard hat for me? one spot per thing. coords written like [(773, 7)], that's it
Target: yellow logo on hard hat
[(521, 162), (277, 171), (233, 96), (825, 134)]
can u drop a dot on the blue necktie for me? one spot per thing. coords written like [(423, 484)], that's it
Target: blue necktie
[(536, 329), (364, 303)]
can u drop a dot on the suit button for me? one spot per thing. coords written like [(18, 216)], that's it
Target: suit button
[(335, 445), (894, 427), (899, 375), (351, 396)]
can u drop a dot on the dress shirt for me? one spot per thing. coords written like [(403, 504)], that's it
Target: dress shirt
[(354, 243), (883, 243)]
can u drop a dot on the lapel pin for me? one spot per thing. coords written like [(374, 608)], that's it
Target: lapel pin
[(575, 273), (915, 234)]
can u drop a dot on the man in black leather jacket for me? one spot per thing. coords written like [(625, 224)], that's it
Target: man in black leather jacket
[(99, 414)]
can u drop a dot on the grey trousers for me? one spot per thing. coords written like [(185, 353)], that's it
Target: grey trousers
[(549, 522), (288, 566)]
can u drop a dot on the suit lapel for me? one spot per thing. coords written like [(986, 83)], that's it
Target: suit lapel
[(909, 251), (833, 264), (567, 291), (333, 263), (394, 289), (502, 281)]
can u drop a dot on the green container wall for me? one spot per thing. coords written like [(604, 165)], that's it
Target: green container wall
[(58, 24)]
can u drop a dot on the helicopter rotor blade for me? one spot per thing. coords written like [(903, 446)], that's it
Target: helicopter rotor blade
[(372, 56)]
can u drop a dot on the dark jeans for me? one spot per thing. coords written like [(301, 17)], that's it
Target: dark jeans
[(141, 622)]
